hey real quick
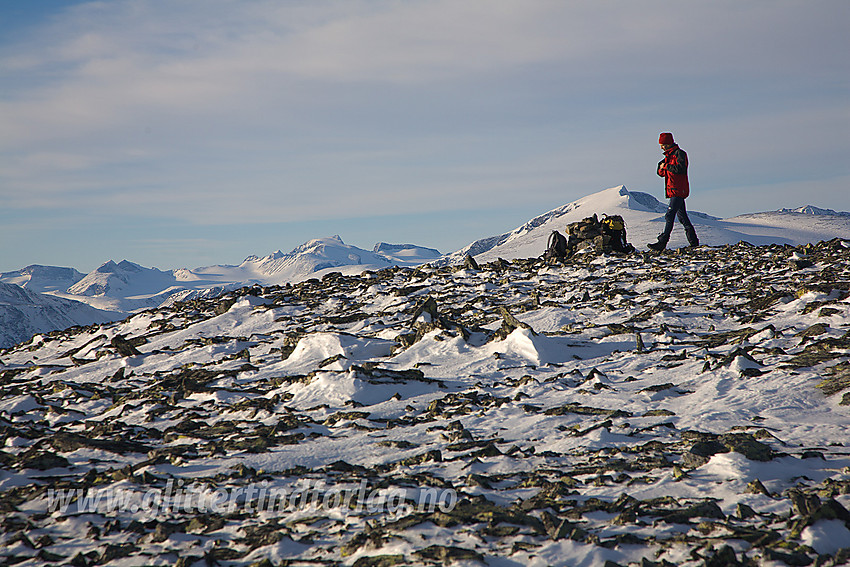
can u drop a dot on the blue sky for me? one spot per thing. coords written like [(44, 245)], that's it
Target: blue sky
[(184, 133)]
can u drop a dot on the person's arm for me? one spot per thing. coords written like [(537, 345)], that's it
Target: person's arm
[(681, 165)]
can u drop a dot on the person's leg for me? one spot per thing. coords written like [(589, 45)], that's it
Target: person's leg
[(690, 232), (673, 208)]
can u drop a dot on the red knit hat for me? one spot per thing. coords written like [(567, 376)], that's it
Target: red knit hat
[(666, 139)]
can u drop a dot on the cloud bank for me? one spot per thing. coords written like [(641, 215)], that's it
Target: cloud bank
[(242, 112)]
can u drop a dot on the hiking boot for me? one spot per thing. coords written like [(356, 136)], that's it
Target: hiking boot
[(660, 245)]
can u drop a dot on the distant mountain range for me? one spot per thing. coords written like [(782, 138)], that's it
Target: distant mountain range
[(34, 298), (52, 297), (810, 210)]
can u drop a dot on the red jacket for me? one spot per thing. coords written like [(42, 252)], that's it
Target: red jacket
[(675, 172)]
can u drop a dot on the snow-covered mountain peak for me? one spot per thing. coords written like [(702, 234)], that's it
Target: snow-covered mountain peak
[(107, 267), (529, 240), (644, 202), (111, 267), (312, 256), (812, 210), (43, 279), (321, 245), (644, 218), (254, 259), (122, 279)]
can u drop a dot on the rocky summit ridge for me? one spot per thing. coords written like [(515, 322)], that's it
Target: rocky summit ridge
[(687, 408)]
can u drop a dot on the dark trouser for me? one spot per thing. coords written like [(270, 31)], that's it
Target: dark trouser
[(676, 208)]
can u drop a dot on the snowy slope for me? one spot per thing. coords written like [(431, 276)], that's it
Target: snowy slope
[(124, 286), (314, 257), (23, 313), (41, 279), (794, 226), (311, 257), (123, 280), (406, 254), (685, 409), (644, 216)]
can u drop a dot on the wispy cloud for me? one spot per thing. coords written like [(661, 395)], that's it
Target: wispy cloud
[(223, 111)]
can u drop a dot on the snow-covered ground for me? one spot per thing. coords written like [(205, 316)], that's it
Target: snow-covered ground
[(686, 408)]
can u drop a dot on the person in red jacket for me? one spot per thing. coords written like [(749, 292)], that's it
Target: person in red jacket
[(674, 169)]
